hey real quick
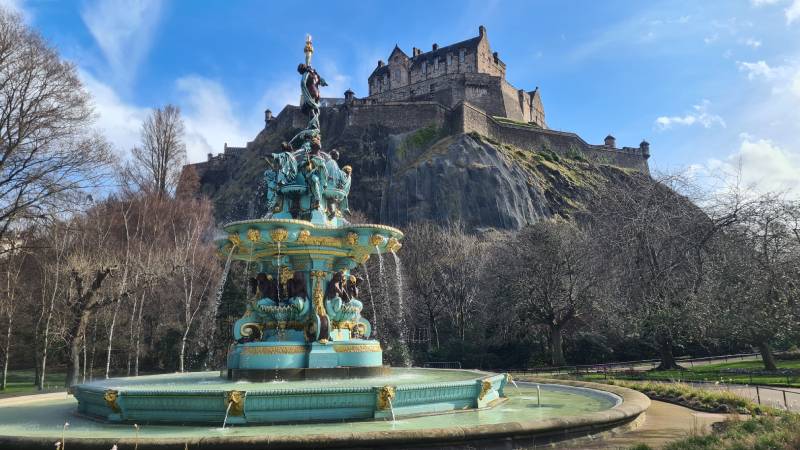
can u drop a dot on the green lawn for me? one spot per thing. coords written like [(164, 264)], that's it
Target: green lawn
[(21, 382), (714, 372)]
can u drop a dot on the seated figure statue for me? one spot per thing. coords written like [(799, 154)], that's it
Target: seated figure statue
[(341, 306), (281, 310)]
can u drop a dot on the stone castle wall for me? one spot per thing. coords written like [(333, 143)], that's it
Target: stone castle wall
[(469, 118)]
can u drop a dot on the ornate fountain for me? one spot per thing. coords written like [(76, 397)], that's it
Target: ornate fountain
[(304, 319), (302, 353)]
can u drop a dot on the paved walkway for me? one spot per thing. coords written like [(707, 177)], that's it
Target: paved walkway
[(664, 422)]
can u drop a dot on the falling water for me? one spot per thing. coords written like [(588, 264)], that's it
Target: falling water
[(398, 278), (516, 387), (215, 306), (538, 396), (371, 298), (391, 409), (227, 410), (401, 312)]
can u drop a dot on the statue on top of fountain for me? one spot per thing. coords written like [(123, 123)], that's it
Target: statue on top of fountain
[(302, 181)]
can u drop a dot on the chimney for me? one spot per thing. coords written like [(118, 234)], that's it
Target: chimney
[(481, 31), (267, 116), (349, 96), (610, 141), (496, 57), (415, 52), (210, 156), (380, 63), (435, 46)]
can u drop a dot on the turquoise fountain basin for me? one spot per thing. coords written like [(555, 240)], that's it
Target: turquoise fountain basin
[(563, 411), (208, 398)]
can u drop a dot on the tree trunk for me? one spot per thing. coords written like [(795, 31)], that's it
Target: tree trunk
[(766, 356), (667, 358), (183, 350), (111, 338), (556, 346), (74, 361), (7, 354)]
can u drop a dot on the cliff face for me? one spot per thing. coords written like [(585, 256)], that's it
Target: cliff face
[(426, 174)]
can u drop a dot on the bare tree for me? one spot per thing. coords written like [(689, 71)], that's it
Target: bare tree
[(549, 279), (156, 165), (12, 264), (48, 154), (655, 244), (757, 273)]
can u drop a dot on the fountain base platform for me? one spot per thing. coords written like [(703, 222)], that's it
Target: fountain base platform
[(322, 373), (204, 399)]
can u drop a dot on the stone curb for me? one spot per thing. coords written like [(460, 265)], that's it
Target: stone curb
[(504, 435)]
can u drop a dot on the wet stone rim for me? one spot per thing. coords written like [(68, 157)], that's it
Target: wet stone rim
[(632, 406)]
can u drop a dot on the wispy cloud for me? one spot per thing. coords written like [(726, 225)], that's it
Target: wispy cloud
[(119, 121), (698, 116), (792, 12), (782, 78), (759, 164), (210, 117), (123, 29)]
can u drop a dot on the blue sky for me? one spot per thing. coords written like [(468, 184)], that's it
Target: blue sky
[(713, 85)]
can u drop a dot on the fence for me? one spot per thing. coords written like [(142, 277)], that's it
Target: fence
[(763, 395), (442, 364), (631, 366)]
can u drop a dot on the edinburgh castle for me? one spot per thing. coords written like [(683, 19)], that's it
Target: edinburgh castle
[(435, 96)]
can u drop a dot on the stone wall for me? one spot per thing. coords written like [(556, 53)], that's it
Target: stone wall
[(469, 118)]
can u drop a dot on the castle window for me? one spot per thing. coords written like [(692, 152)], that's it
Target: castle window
[(449, 59), (462, 55), (436, 64), (433, 87), (424, 67)]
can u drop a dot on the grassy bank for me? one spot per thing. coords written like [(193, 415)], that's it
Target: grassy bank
[(712, 372), (697, 399), (22, 382), (757, 433)]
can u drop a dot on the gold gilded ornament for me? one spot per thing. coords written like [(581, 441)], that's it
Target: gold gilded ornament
[(393, 245), (253, 235), (377, 240), (351, 238), (235, 239), (110, 396), (385, 396), (486, 386), (234, 401), (279, 234)]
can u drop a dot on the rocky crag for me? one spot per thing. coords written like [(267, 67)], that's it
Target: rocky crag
[(416, 162)]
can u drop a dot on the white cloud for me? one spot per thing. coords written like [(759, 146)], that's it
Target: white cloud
[(209, 116), (700, 116), (117, 120), (751, 42), (17, 7), (792, 12), (763, 2), (759, 69), (711, 39), (123, 29), (760, 164), (781, 78)]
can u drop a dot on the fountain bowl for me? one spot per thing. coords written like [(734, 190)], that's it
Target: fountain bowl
[(568, 410)]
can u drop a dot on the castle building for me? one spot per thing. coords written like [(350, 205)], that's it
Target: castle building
[(465, 71)]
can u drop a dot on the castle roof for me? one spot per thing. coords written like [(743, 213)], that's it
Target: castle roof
[(469, 44)]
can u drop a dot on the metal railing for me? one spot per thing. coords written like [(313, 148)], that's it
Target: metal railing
[(442, 364), (638, 365)]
